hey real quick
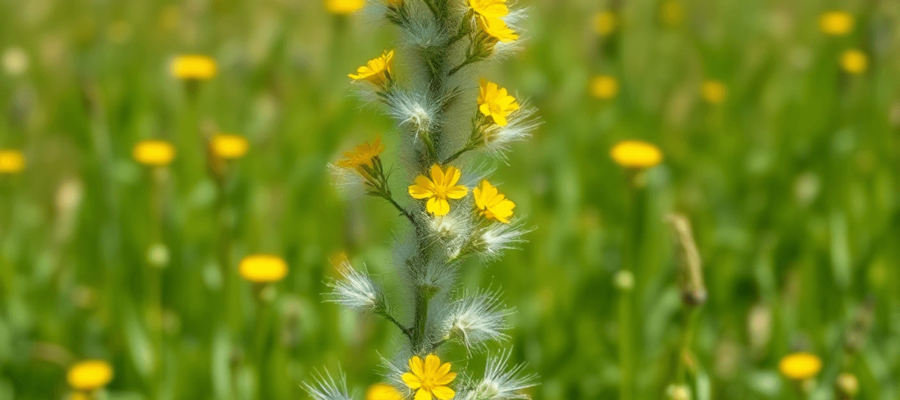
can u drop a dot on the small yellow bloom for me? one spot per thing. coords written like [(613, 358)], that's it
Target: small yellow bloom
[(193, 67), (800, 366), (263, 268), (11, 161), (441, 187), (344, 7), (605, 23), (364, 154), (489, 8), (497, 29), (604, 87), (854, 62), (714, 92), (672, 13), (429, 378), (495, 102), (155, 153), (89, 375), (636, 154), (381, 391), (230, 147), (492, 203), (836, 23), (377, 71)]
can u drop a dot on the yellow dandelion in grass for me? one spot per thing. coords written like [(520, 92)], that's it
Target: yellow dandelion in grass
[(193, 67), (377, 70), (263, 268), (672, 13), (636, 154), (605, 23), (230, 147), (492, 203), (344, 7), (800, 366), (441, 187), (90, 375), (429, 379), (495, 102), (11, 162), (364, 154), (489, 8), (713, 92), (836, 23), (604, 87), (854, 62), (381, 391), (154, 153), (497, 29)]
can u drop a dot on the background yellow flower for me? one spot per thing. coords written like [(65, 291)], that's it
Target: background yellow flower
[(154, 152), (230, 147), (344, 7), (89, 375), (193, 67), (836, 23), (854, 62), (713, 92), (604, 87), (11, 161), (636, 154), (263, 268), (800, 366)]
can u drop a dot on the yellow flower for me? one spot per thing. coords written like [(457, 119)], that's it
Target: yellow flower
[(800, 366), (836, 23), (714, 92), (636, 154), (381, 391), (604, 87), (489, 8), (495, 102), (344, 7), (854, 62), (363, 155), (605, 23), (193, 67), (229, 147), (672, 13), (492, 203), (429, 378), (262, 268), (497, 29), (377, 71), (155, 153), (438, 189), (89, 375), (11, 161)]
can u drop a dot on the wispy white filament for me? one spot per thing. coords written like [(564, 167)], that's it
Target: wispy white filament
[(477, 319), (355, 290), (502, 382), (326, 387)]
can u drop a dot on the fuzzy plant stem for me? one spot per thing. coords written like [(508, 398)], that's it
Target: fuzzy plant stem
[(627, 294)]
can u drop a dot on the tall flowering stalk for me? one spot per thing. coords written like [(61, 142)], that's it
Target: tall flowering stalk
[(444, 115)]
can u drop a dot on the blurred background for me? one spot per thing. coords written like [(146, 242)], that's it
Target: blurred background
[(780, 147)]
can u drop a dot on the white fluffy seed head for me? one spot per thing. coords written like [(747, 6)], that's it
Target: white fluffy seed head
[(413, 110), (497, 238), (355, 290), (502, 382), (451, 231), (498, 138), (476, 320), (326, 387)]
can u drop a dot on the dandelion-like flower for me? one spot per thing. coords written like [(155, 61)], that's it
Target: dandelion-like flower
[(441, 187), (429, 378), (154, 153), (11, 162), (497, 29), (836, 23), (355, 290), (501, 382), (382, 391), (377, 71), (230, 147), (263, 268), (344, 7), (89, 375), (495, 102), (854, 62), (605, 23), (713, 92), (493, 204), (193, 67), (604, 87), (800, 366), (489, 8), (636, 154)]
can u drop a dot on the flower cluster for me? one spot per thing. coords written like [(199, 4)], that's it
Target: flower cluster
[(453, 211)]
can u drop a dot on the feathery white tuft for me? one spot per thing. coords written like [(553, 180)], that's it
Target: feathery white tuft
[(451, 231), (355, 291), (498, 138), (413, 110), (477, 319), (498, 237), (501, 382), (326, 387)]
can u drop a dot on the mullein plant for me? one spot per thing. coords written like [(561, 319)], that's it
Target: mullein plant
[(451, 214)]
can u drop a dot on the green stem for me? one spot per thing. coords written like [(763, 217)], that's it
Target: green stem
[(421, 318), (456, 155), (263, 320), (687, 337), (626, 300)]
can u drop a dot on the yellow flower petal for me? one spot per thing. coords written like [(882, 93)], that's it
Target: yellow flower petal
[(415, 365), (423, 188), (411, 381), (437, 207), (423, 394), (446, 378), (457, 192), (443, 393), (432, 363), (89, 375), (437, 175)]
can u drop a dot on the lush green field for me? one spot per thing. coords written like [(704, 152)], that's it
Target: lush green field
[(791, 184)]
